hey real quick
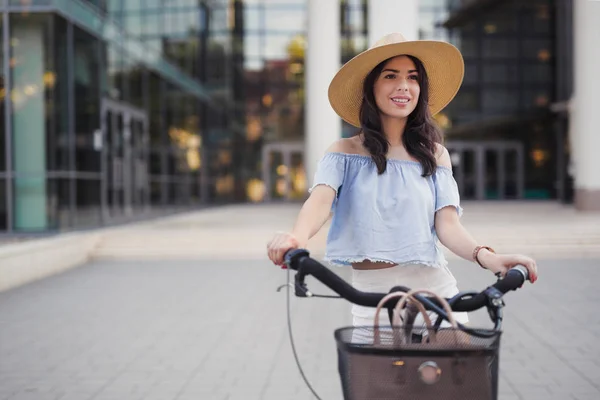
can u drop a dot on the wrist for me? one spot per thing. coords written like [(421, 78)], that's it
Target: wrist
[(483, 255), (300, 238)]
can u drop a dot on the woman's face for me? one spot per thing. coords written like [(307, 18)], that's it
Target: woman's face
[(397, 89)]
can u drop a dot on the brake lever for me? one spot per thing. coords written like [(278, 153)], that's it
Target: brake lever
[(301, 290)]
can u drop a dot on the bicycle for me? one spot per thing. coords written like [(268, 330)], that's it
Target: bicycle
[(406, 361)]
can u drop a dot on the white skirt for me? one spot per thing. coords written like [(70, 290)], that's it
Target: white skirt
[(413, 276)]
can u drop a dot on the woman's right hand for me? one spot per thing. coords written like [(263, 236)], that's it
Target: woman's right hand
[(279, 245)]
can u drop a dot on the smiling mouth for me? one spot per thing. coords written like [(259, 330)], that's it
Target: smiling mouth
[(400, 101)]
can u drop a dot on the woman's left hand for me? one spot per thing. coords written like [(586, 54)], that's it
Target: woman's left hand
[(503, 262)]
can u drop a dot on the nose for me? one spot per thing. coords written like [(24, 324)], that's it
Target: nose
[(402, 85)]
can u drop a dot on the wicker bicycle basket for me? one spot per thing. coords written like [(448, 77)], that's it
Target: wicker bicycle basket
[(387, 363)]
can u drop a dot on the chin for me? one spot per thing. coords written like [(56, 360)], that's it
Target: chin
[(400, 114)]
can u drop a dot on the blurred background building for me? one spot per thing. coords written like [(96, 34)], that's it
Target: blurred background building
[(113, 110)]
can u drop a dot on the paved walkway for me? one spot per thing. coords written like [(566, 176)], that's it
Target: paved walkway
[(541, 229), (216, 330), (186, 308)]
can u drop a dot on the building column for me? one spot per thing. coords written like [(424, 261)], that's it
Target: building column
[(387, 16), (323, 55), (29, 131), (585, 128)]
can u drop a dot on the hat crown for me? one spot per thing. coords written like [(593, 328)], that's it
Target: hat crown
[(390, 38)]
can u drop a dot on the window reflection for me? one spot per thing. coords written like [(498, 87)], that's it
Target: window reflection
[(87, 101), (2, 121)]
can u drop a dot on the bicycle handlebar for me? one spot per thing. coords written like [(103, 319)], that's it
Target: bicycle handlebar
[(300, 261)]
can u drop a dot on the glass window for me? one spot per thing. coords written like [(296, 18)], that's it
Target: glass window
[(252, 46), (352, 45), (3, 98), (471, 73), (355, 21), (172, 22), (536, 19), (466, 100), (191, 22), (132, 4), (499, 99), (152, 23), (219, 20), (432, 3), (59, 197), (133, 23), (253, 19), (537, 97), (3, 206), (276, 46), (283, 20), (277, 2), (501, 24), (469, 46), (152, 3), (88, 203), (537, 73), (540, 49), (114, 66), (506, 73), (133, 80), (499, 48), (87, 101), (35, 2)]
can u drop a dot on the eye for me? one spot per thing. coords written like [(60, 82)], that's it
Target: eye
[(414, 77), (389, 76)]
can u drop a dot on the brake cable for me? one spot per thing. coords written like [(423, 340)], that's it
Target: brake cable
[(289, 323)]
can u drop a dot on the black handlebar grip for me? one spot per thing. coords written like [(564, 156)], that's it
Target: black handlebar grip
[(514, 279), (292, 257)]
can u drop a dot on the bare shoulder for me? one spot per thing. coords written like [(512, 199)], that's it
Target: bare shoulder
[(352, 145), (442, 156)]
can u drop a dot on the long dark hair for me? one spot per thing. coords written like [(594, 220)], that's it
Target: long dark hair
[(420, 134)]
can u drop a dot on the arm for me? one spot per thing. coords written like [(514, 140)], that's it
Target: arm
[(454, 236), (457, 239), (313, 214)]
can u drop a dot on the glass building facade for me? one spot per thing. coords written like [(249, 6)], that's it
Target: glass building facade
[(113, 110), (508, 142)]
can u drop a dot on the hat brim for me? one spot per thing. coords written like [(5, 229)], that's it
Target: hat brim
[(442, 61)]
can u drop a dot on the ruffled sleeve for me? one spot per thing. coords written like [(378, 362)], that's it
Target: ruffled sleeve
[(446, 190), (330, 171)]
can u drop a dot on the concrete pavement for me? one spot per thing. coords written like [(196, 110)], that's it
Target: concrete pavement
[(185, 307), (541, 229), (216, 330)]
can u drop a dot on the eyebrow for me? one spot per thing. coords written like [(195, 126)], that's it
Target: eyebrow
[(397, 71)]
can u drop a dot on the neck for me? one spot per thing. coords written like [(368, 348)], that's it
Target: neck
[(393, 129)]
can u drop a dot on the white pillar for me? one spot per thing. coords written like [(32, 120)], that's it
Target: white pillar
[(387, 16), (585, 128), (323, 55)]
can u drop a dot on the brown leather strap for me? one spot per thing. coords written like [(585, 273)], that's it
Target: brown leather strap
[(442, 302), (476, 253), (396, 317)]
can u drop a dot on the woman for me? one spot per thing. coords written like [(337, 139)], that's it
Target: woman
[(391, 186)]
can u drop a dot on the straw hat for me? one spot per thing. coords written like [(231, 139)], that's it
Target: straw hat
[(442, 61)]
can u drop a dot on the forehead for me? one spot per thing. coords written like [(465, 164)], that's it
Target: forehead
[(400, 63)]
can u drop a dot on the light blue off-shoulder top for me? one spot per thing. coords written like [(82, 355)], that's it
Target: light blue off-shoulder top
[(385, 218)]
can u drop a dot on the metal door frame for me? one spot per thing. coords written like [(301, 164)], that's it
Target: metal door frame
[(286, 149), (129, 113), (501, 147)]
